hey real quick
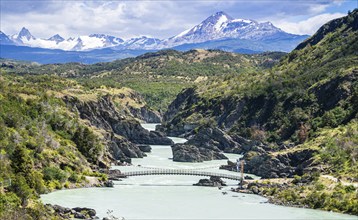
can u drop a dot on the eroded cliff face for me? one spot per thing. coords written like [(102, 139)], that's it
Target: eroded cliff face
[(120, 131), (146, 114)]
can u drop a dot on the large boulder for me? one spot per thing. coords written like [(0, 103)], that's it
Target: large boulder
[(145, 148), (192, 153), (213, 138), (212, 182)]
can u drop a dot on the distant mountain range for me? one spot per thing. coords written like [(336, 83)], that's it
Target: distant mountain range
[(219, 31)]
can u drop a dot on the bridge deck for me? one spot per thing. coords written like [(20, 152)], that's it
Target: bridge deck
[(179, 172)]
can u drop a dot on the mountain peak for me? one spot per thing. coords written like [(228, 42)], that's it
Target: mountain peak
[(221, 13), (218, 18), (56, 38), (25, 33), (4, 39)]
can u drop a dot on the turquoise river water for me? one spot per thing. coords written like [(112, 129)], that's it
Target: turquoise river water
[(174, 197)]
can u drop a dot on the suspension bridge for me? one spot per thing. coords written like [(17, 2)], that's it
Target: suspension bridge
[(186, 172)]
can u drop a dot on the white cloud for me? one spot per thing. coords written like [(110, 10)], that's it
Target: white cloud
[(315, 9), (122, 19), (308, 26), (159, 19)]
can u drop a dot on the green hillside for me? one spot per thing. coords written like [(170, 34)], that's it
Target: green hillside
[(315, 85), (47, 144), (302, 114), (158, 76)]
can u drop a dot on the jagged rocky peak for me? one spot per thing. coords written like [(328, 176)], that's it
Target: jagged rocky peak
[(25, 33), (56, 38)]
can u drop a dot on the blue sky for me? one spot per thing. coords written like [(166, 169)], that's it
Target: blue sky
[(161, 18)]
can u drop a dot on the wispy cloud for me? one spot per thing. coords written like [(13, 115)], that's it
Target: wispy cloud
[(162, 18), (308, 26)]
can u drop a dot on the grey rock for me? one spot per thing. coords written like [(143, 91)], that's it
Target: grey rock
[(146, 114), (108, 183), (264, 164), (79, 215), (191, 153), (212, 182), (145, 148)]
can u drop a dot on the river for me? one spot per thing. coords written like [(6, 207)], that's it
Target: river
[(174, 197)]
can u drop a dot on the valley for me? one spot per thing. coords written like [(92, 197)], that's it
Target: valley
[(292, 117)]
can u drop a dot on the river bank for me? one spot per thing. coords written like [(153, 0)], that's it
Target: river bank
[(166, 197)]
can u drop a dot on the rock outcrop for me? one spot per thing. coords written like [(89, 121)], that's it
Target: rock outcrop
[(192, 153), (145, 148), (121, 132), (174, 125), (212, 182), (135, 133), (78, 212), (146, 114), (213, 138), (205, 144), (267, 165), (122, 149)]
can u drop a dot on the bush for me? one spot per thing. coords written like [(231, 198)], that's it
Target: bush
[(8, 201), (22, 189), (54, 173)]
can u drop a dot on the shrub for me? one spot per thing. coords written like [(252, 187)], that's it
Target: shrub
[(54, 173)]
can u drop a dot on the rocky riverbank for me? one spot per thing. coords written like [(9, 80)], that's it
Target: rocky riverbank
[(71, 213), (76, 213), (308, 191)]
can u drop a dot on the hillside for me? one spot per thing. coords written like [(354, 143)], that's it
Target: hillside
[(307, 83), (158, 76), (296, 118), (55, 133)]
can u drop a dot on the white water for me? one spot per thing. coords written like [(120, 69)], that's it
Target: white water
[(174, 197)]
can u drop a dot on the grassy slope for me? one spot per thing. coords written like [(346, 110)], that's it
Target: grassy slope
[(159, 76)]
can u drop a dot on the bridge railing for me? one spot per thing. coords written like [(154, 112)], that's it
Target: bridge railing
[(178, 172)]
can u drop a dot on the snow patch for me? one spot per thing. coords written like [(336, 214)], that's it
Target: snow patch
[(220, 21), (242, 20)]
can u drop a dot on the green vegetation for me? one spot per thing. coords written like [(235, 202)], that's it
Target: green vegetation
[(158, 76), (43, 146), (308, 101), (311, 88), (314, 192)]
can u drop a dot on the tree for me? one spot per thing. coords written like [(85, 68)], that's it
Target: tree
[(22, 190)]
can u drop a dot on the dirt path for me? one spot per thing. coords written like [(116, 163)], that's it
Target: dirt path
[(345, 183)]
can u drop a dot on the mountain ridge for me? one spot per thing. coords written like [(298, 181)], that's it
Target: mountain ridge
[(217, 26)]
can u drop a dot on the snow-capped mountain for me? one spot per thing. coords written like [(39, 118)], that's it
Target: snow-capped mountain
[(218, 31), (82, 43), (57, 38), (5, 40), (23, 36), (220, 26), (143, 43)]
